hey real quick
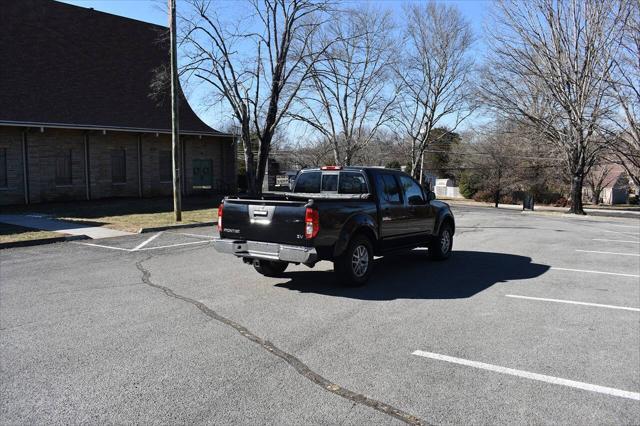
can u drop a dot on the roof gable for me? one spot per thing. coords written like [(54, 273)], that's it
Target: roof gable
[(74, 67)]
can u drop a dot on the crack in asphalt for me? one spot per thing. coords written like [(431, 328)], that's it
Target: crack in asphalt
[(293, 361)]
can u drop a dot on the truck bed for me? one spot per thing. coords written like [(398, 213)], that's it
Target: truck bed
[(280, 218)]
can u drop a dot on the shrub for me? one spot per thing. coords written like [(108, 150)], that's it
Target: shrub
[(393, 165), (561, 202), (483, 195), (469, 185), (510, 199)]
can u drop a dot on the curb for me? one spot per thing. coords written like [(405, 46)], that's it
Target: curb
[(541, 210), (42, 241), (169, 227)]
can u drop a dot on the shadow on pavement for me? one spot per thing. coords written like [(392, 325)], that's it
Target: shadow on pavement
[(411, 275)]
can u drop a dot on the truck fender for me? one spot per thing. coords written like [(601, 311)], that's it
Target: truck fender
[(444, 215), (356, 223)]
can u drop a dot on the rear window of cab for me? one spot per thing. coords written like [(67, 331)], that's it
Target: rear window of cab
[(338, 182)]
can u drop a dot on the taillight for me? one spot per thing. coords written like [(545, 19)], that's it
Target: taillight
[(311, 223), (220, 208), (331, 168)]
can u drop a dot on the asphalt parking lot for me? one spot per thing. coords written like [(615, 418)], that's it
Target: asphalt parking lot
[(534, 319)]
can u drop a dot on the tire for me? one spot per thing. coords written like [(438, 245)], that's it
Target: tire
[(353, 268), (270, 268), (440, 246)]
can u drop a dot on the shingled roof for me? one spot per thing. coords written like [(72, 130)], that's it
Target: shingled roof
[(69, 66)]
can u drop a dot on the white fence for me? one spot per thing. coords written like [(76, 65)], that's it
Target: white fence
[(445, 188)]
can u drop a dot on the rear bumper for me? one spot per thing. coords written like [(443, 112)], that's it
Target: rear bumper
[(267, 251)]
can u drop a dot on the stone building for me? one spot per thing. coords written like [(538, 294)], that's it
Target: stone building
[(77, 116)]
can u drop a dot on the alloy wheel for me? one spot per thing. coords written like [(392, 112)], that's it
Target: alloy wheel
[(360, 261)]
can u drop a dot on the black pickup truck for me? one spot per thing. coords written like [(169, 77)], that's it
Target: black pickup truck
[(342, 214)]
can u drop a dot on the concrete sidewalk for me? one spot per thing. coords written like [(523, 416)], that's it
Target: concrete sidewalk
[(46, 223)]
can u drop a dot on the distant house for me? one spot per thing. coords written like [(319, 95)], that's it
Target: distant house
[(614, 183), (76, 117)]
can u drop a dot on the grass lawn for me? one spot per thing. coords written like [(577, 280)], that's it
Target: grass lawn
[(13, 233), (126, 214)]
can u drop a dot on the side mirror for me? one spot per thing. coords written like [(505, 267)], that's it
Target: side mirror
[(431, 196)]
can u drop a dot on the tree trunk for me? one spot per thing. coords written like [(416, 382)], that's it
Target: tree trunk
[(248, 160), (497, 198), (263, 157), (415, 168), (576, 194), (336, 154)]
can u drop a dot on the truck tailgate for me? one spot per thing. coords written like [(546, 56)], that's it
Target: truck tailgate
[(262, 220)]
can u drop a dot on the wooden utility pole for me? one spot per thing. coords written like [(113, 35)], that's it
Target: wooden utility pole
[(175, 136)]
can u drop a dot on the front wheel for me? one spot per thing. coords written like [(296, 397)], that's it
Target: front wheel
[(441, 245), (270, 268), (354, 266)]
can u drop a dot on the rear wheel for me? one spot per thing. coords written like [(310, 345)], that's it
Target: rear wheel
[(442, 244), (354, 266), (270, 268)]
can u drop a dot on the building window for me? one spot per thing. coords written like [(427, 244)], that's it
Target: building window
[(63, 168), (3, 168), (118, 166), (165, 165)]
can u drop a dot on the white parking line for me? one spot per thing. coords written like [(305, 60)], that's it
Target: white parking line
[(144, 248), (627, 234), (625, 226), (609, 252), (617, 241), (572, 302), (532, 376), (100, 245), (175, 245), (144, 243), (209, 237), (595, 272)]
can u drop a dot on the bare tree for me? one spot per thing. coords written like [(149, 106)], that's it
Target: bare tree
[(626, 90), (550, 65), (492, 155), (347, 99), (597, 179), (256, 68), (434, 74)]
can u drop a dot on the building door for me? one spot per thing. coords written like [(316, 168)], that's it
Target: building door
[(202, 174)]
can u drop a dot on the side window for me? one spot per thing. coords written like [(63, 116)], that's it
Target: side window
[(352, 183), (308, 182), (388, 190), (329, 182), (412, 191)]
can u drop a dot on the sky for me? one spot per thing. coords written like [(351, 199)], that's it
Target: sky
[(154, 11)]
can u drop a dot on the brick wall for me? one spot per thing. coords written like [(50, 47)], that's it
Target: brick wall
[(11, 140), (100, 148), (151, 147), (45, 147)]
